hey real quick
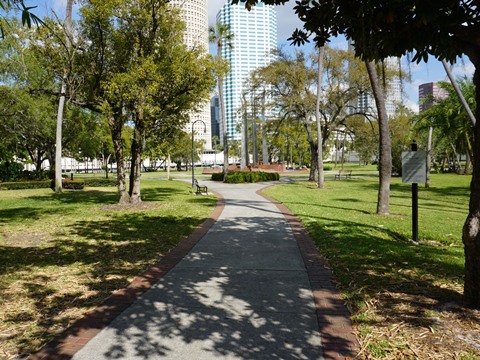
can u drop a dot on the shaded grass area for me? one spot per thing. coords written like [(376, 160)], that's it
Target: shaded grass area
[(395, 289), (63, 254)]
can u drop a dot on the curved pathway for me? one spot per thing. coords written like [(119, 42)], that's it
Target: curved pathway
[(251, 286)]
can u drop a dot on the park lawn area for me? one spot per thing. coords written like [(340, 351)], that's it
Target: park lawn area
[(406, 299), (63, 254)]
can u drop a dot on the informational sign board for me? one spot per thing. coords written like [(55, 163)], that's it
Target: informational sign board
[(414, 167)]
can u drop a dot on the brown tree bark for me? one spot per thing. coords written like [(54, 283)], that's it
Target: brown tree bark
[(321, 176), (385, 160), (116, 130), (136, 166), (471, 228), (223, 121)]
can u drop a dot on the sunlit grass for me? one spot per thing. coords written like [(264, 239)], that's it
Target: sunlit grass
[(385, 278), (62, 254)]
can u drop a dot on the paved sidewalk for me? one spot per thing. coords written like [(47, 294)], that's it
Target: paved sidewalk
[(253, 287)]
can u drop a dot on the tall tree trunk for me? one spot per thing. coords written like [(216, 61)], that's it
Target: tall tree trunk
[(429, 157), (136, 165), (61, 103), (254, 133), (313, 152), (115, 123), (245, 161), (385, 161), (471, 228), (168, 166), (264, 132), (321, 176), (223, 122)]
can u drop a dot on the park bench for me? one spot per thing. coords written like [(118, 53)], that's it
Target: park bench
[(200, 188), (347, 174)]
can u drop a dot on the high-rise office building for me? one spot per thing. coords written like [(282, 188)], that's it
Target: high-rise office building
[(255, 36), (393, 92), (428, 93), (195, 15)]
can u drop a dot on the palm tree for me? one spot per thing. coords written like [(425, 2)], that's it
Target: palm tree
[(61, 103), (221, 35)]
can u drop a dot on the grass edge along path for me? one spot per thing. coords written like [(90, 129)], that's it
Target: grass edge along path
[(88, 249), (405, 298)]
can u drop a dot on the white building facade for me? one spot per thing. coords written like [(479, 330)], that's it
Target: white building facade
[(195, 15), (255, 37)]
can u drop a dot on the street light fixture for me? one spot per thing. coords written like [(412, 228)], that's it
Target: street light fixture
[(193, 148)]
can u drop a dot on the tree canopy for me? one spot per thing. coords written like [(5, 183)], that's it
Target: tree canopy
[(382, 28)]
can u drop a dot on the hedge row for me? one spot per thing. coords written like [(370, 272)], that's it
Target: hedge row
[(100, 182), (237, 177), (22, 185), (66, 184)]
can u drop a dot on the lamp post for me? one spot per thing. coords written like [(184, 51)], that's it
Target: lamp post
[(193, 149)]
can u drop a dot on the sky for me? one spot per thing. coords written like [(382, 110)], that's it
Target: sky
[(287, 22)]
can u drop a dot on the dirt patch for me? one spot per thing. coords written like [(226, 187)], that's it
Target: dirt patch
[(418, 327), (25, 240), (141, 206)]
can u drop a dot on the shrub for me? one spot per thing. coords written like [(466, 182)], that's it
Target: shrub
[(327, 167), (100, 182), (68, 184), (45, 184), (251, 177), (218, 176), (10, 171)]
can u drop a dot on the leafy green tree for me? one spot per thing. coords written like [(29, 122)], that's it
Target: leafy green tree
[(137, 69), (28, 121), (221, 35), (392, 28), (401, 136), (63, 94), (291, 80)]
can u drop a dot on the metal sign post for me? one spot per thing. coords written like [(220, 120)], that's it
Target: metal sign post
[(414, 171)]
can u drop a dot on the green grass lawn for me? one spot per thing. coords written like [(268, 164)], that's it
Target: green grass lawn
[(63, 254), (385, 278)]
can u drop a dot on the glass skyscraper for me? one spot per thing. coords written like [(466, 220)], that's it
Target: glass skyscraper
[(255, 36)]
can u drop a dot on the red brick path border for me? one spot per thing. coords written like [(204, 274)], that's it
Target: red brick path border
[(338, 339), (82, 331)]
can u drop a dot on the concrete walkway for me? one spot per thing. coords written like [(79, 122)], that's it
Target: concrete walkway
[(253, 287)]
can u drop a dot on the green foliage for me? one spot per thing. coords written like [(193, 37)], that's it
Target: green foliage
[(68, 184), (371, 256), (237, 177), (10, 171), (452, 128), (100, 182), (45, 184), (81, 242), (218, 176), (146, 74), (400, 132)]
